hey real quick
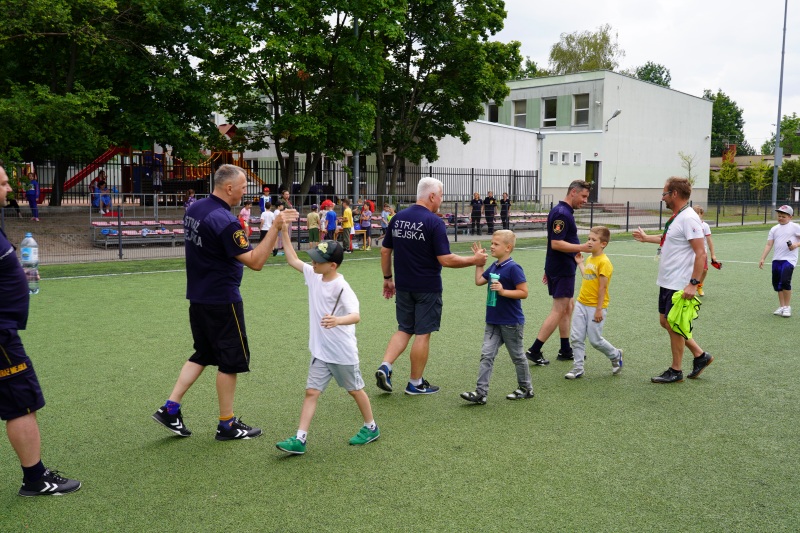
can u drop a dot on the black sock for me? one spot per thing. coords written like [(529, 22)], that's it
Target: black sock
[(33, 473), (565, 347), (536, 347)]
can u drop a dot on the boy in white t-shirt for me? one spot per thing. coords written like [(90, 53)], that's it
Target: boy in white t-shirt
[(333, 312), (267, 218), (709, 248), (784, 236)]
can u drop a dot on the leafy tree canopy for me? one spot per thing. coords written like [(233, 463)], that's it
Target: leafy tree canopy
[(727, 124), (654, 73), (790, 126), (586, 50)]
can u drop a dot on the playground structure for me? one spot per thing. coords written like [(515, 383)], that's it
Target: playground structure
[(131, 172)]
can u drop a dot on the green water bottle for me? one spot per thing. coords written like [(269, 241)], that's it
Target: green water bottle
[(491, 296)]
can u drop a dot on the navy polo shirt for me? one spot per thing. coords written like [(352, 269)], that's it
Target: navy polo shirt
[(214, 239), (14, 297), (561, 227), (418, 237), (489, 205), (507, 311)]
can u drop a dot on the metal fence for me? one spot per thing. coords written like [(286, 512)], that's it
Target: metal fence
[(150, 226)]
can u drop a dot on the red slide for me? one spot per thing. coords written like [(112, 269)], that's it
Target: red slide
[(91, 167)]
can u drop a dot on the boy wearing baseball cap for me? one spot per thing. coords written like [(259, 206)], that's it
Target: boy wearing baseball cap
[(784, 236), (333, 312)]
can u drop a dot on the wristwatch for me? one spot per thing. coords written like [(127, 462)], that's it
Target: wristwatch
[(694, 281)]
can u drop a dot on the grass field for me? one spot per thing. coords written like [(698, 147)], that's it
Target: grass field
[(598, 454)]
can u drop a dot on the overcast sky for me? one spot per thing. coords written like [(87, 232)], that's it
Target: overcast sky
[(731, 45)]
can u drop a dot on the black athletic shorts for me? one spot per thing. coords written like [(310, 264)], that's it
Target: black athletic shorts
[(20, 393), (219, 336)]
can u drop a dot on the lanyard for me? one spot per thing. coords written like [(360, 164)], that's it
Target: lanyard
[(667, 225)]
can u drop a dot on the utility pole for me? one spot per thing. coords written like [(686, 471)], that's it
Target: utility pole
[(778, 148)]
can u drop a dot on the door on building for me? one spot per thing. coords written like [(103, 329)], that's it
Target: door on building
[(593, 177)]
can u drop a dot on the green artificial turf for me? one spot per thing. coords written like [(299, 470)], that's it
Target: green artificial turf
[(602, 453)]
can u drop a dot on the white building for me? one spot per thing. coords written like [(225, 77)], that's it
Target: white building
[(567, 127)]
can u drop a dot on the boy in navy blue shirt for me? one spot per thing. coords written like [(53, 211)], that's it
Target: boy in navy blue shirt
[(504, 318)]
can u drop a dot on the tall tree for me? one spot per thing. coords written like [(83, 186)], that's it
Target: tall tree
[(790, 135), (295, 74), (586, 50), (654, 73), (80, 75), (440, 73), (727, 124)]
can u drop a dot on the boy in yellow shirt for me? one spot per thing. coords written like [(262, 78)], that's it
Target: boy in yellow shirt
[(347, 225), (590, 310)]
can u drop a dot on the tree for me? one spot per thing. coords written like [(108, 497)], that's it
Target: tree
[(789, 171), (688, 164), (586, 50), (79, 76), (727, 124), (529, 69), (790, 126), (295, 73), (654, 73), (759, 176), (439, 75)]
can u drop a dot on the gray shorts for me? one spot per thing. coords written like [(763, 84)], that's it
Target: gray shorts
[(320, 373)]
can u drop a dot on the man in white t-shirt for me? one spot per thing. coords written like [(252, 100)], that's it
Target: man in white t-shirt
[(784, 236), (682, 256)]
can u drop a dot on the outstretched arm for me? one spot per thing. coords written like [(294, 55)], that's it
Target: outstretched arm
[(255, 258), (641, 236), (291, 253), (479, 279)]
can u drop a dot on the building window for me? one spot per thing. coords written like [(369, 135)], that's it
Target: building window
[(549, 117), (565, 158), (576, 158), (581, 105), (554, 157), (493, 113), (520, 113)]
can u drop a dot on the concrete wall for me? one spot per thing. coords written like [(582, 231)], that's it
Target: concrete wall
[(491, 146)]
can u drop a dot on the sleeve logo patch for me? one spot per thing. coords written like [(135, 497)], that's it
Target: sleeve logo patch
[(558, 226), (240, 239)]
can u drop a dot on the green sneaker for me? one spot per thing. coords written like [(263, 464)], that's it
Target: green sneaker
[(365, 436), (292, 445)]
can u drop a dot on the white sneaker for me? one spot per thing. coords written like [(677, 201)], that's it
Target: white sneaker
[(787, 311), (616, 364), (779, 311), (575, 373)]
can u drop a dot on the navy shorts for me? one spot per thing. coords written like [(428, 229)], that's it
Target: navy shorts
[(782, 275), (561, 286), (219, 336), (665, 300), (418, 313), (20, 393)]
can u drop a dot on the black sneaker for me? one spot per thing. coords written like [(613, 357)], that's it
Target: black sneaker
[(699, 364), (474, 397), (174, 423), (670, 375), (564, 356), (238, 431), (50, 484), (520, 394), (536, 358)]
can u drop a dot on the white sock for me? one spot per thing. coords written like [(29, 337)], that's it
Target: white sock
[(416, 382), (388, 365), (302, 435), (371, 425)]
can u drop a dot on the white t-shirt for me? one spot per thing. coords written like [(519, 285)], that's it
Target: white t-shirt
[(267, 218), (779, 234), (336, 345), (706, 233), (677, 255)]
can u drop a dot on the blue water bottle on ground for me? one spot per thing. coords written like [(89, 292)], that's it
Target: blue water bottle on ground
[(29, 250), (491, 296)]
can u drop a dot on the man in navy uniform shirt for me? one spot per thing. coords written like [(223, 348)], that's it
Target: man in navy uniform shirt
[(489, 207), (417, 237), (217, 250), (559, 271), (20, 393)]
